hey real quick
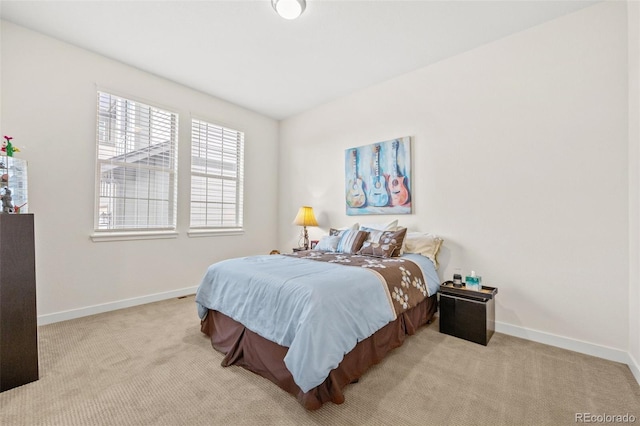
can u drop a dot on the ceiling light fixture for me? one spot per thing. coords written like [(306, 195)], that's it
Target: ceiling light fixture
[(289, 9)]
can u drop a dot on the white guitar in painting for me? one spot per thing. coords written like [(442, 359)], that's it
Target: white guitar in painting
[(355, 188)]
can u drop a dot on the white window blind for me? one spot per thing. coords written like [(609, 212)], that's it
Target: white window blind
[(217, 174), (136, 166)]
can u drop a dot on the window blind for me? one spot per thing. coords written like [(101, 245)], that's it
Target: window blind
[(136, 165), (217, 176)]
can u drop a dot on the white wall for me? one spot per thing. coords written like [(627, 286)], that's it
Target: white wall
[(520, 164), (49, 107)]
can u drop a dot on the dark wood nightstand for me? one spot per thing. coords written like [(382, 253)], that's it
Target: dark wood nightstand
[(295, 249), (468, 314)]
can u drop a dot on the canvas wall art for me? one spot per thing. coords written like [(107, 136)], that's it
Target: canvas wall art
[(378, 178)]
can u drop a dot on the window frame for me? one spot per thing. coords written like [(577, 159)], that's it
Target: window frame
[(207, 230), (145, 232)]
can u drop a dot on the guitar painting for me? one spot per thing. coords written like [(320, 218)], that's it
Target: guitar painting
[(378, 178), (355, 188), (397, 188), (378, 195)]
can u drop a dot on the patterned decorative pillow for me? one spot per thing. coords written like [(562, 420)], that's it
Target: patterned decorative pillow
[(335, 232), (351, 241), (388, 245)]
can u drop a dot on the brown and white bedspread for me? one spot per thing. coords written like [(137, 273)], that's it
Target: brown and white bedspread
[(403, 279)]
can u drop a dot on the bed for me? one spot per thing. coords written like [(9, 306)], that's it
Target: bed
[(313, 321)]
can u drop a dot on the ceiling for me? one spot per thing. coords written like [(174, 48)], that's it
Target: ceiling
[(243, 52)]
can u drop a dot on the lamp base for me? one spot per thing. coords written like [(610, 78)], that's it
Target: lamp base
[(306, 239), (303, 242)]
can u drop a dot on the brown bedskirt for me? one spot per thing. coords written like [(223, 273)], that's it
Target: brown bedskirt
[(245, 348)]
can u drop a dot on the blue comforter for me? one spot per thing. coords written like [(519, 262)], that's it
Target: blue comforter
[(318, 310)]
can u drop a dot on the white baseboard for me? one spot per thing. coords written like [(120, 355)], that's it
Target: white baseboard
[(634, 367), (599, 351), (592, 349), (604, 352), (112, 306)]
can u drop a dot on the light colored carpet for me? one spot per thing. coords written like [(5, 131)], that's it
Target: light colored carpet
[(151, 365)]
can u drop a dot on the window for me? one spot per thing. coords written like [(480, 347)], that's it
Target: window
[(216, 176), (136, 166)]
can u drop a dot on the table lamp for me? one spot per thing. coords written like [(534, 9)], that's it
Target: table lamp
[(304, 218)]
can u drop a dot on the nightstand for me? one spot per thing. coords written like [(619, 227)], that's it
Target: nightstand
[(295, 249), (468, 314)]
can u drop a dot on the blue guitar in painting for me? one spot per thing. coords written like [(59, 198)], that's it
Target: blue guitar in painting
[(378, 194)]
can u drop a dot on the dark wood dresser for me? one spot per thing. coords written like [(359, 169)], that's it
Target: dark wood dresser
[(18, 318)]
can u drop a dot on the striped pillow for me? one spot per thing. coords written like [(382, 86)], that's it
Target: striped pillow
[(339, 231), (351, 241)]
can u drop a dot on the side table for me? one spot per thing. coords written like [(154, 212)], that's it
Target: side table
[(468, 314)]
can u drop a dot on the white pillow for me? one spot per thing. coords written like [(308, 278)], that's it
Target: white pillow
[(354, 227), (423, 243), (374, 234), (328, 243), (389, 226)]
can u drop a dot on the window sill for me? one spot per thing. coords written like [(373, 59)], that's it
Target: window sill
[(195, 233), (135, 235)]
